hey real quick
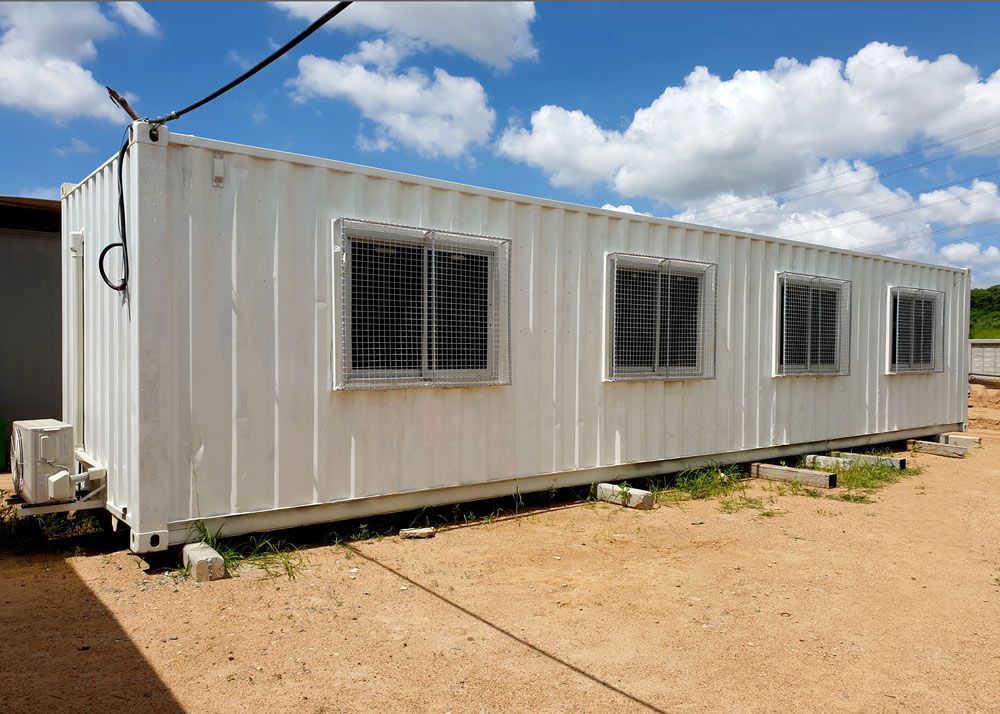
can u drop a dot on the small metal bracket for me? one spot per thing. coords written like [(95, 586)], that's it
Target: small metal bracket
[(76, 244), (24, 510), (218, 171)]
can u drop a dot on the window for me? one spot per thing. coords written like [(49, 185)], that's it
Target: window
[(662, 318), (814, 325), (420, 307), (916, 330)]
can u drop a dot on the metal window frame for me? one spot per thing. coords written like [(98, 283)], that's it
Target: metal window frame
[(842, 367), (497, 370), (937, 330), (707, 317)]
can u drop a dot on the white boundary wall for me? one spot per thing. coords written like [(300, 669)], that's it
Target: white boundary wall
[(984, 357), (207, 394)]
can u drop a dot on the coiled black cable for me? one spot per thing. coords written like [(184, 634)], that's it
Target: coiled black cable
[(122, 243)]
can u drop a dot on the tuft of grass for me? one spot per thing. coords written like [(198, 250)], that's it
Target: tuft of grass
[(852, 497), (727, 484), (860, 480), (732, 504), (699, 484), (870, 477), (20, 534), (273, 557)]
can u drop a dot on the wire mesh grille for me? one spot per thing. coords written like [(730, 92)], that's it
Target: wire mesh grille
[(421, 307), (917, 330), (814, 318), (663, 318)]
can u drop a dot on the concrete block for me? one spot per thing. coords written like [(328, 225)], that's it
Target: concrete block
[(416, 532), (822, 479), (961, 440), (932, 447), (890, 461), (828, 462), (203, 562), (627, 496)]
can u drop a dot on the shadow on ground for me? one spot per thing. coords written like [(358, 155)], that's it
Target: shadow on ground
[(63, 650)]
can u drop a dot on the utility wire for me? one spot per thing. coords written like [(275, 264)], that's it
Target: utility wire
[(897, 197), (277, 54), (891, 213), (933, 233), (122, 285), (880, 162), (872, 179)]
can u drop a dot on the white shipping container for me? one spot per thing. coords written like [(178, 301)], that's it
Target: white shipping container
[(251, 379)]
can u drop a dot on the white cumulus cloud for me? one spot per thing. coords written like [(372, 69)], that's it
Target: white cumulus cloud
[(133, 14), (495, 33), (75, 146), (437, 115), (760, 130), (624, 208), (43, 47)]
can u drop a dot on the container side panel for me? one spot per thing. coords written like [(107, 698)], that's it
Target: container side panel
[(98, 361), (260, 427)]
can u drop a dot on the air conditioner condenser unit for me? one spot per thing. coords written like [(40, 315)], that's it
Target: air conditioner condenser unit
[(42, 461)]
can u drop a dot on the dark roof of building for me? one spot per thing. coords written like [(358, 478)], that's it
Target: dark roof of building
[(18, 213)]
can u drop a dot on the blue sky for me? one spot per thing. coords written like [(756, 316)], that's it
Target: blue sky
[(695, 111)]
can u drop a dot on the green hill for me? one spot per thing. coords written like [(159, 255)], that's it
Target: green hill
[(984, 313)]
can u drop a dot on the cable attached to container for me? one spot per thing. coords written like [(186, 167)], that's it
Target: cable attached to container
[(122, 285), (120, 101), (278, 53)]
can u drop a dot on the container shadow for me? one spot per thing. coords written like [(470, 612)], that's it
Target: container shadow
[(63, 650), (627, 696)]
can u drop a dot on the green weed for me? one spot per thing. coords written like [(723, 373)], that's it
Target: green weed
[(699, 484), (273, 557), (18, 534), (732, 504)]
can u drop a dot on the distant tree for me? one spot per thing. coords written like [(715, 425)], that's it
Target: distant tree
[(984, 313)]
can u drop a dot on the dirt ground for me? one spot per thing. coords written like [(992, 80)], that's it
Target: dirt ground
[(827, 605)]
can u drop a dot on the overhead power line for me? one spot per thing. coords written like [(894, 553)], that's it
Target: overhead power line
[(872, 219), (277, 54), (937, 232), (879, 162), (840, 187)]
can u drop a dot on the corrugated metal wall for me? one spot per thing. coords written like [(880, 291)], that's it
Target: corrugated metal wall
[(109, 392), (984, 357), (256, 425)]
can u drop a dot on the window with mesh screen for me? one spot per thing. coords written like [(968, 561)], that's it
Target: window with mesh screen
[(814, 325), (420, 307), (916, 330), (662, 318)]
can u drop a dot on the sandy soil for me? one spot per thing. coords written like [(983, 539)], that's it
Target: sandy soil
[(828, 605)]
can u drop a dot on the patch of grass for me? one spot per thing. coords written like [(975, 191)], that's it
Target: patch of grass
[(853, 497), (727, 484), (273, 557), (20, 534), (860, 480), (870, 477), (733, 504), (699, 484)]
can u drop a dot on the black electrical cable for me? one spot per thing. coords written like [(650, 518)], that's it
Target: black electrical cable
[(320, 21), (122, 285), (122, 232)]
